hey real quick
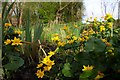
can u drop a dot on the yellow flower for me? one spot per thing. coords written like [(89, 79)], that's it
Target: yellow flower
[(47, 61), (16, 41), (65, 28), (74, 38), (108, 16), (51, 53), (18, 32), (110, 24), (7, 24), (110, 51), (61, 44), (81, 39), (102, 28), (40, 65), (55, 34), (86, 68), (55, 38), (84, 31), (40, 73), (91, 32), (95, 19), (50, 63), (104, 40), (68, 37), (94, 24), (47, 68), (70, 41), (75, 26), (8, 41), (100, 75), (108, 44), (86, 37)]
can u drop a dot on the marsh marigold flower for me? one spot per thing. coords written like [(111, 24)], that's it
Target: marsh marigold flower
[(51, 53), (104, 40), (55, 38), (86, 37), (74, 38), (81, 39), (67, 37), (95, 19), (71, 41), (47, 61), (108, 16), (7, 24), (16, 41), (100, 75), (40, 65), (102, 28), (47, 68), (18, 32), (108, 44), (55, 34), (109, 24), (61, 44), (8, 41), (65, 28), (91, 31), (75, 26), (87, 68), (40, 73)]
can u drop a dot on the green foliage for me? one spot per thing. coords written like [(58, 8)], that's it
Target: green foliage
[(6, 11), (14, 62), (86, 74), (88, 53), (27, 29), (66, 70), (47, 11), (38, 32), (84, 55), (95, 44), (83, 58)]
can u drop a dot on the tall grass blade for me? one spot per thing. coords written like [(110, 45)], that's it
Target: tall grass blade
[(38, 31), (27, 29), (4, 8), (7, 12)]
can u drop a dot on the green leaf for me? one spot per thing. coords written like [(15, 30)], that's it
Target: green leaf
[(27, 29), (7, 12), (86, 74), (67, 66), (14, 64), (95, 44), (67, 46), (66, 71), (38, 31), (83, 58), (4, 8)]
